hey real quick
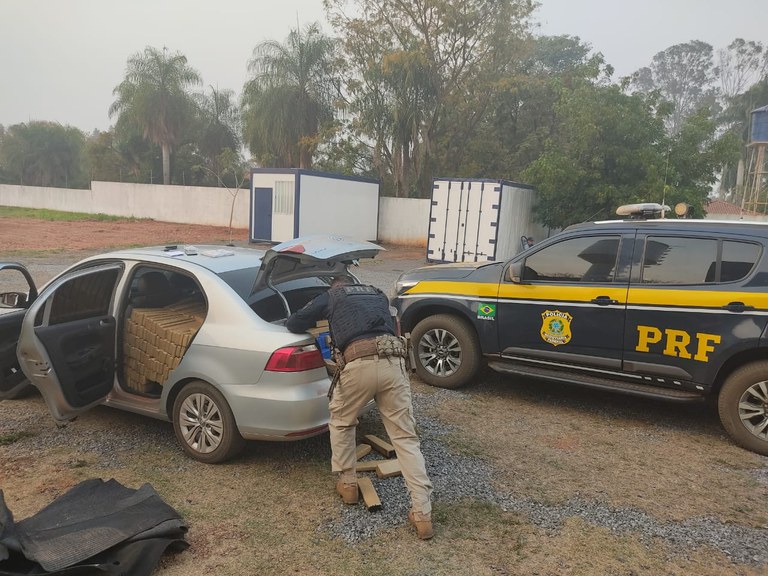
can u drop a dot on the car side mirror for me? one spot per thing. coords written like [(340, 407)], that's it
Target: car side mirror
[(13, 299), (515, 272)]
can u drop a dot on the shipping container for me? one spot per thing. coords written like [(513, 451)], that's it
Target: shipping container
[(478, 220), (289, 202)]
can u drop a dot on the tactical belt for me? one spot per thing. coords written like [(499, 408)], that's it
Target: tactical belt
[(382, 346), (360, 349)]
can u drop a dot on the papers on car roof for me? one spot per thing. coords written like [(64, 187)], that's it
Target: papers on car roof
[(217, 253)]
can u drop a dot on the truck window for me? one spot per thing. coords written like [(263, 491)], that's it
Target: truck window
[(679, 260), (587, 259)]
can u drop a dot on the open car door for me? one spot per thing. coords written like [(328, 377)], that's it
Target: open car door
[(17, 292), (67, 342)]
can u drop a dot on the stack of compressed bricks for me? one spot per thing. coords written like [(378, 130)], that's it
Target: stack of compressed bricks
[(155, 341), (383, 468)]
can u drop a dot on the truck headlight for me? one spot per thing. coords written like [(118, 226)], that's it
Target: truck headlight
[(403, 285)]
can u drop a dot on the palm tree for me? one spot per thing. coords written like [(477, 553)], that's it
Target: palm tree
[(219, 127), (154, 97), (290, 97)]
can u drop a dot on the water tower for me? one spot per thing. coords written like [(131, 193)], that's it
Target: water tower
[(756, 188)]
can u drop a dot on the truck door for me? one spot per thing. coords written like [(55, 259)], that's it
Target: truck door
[(690, 305), (569, 304)]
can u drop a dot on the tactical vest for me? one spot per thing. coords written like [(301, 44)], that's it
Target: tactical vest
[(358, 311)]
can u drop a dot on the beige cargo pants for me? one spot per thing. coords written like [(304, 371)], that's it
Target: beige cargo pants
[(385, 380)]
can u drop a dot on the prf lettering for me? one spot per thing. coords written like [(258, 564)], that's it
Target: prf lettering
[(677, 342)]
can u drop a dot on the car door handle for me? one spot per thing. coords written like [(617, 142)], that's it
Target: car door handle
[(604, 301), (737, 307)]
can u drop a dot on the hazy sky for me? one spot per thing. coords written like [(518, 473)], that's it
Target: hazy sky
[(61, 59)]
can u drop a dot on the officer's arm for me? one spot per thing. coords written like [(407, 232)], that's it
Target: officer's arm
[(308, 316)]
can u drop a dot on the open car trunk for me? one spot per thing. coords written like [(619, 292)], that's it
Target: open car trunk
[(295, 272)]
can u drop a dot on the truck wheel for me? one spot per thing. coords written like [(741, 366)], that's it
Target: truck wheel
[(447, 351), (204, 424), (743, 406)]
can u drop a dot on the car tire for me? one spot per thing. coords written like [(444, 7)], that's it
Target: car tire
[(204, 424), (446, 351), (743, 406)]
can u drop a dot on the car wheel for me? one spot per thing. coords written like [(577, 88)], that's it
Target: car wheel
[(204, 424), (446, 351), (743, 406)]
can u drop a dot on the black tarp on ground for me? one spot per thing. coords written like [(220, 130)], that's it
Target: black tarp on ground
[(96, 528)]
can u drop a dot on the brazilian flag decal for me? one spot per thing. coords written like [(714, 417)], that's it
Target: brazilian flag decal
[(486, 311)]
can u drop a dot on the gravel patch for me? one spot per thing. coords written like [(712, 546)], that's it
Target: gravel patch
[(457, 477)]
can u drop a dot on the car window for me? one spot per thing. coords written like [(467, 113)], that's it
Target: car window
[(82, 297), (685, 261), (738, 260), (241, 281), (585, 259)]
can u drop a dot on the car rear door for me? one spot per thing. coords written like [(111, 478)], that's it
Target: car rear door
[(67, 342)]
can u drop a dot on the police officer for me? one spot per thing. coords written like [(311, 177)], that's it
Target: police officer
[(372, 365)]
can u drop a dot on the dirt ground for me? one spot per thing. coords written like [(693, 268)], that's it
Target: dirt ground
[(551, 445), (29, 234)]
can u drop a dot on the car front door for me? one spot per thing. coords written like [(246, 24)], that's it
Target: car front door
[(568, 304), (17, 292), (67, 342)]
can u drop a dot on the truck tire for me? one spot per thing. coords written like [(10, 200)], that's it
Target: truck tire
[(446, 351), (743, 406)]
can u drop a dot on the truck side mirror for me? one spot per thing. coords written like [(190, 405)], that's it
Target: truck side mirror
[(515, 272)]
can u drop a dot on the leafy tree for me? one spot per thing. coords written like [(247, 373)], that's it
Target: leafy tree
[(694, 158), (290, 97), (684, 75), (154, 98), (219, 129), (740, 66), (421, 76), (522, 116), (607, 150), (102, 158), (43, 154)]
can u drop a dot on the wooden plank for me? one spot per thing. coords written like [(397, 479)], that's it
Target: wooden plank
[(368, 465), (370, 497), (380, 445), (362, 450), (388, 468)]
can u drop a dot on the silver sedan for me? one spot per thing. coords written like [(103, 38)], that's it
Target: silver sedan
[(191, 335)]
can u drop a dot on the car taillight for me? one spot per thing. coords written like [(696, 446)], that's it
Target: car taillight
[(295, 359)]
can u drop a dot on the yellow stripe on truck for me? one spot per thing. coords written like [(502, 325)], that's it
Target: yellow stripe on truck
[(575, 293), (695, 298), (479, 289)]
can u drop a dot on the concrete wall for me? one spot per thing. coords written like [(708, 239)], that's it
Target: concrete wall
[(401, 220), (404, 221), (186, 204)]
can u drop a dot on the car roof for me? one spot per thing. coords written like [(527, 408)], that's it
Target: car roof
[(216, 258)]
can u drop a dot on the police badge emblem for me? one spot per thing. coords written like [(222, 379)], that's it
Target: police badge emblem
[(556, 327)]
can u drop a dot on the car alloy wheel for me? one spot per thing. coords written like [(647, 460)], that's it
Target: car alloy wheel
[(200, 423), (204, 424)]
